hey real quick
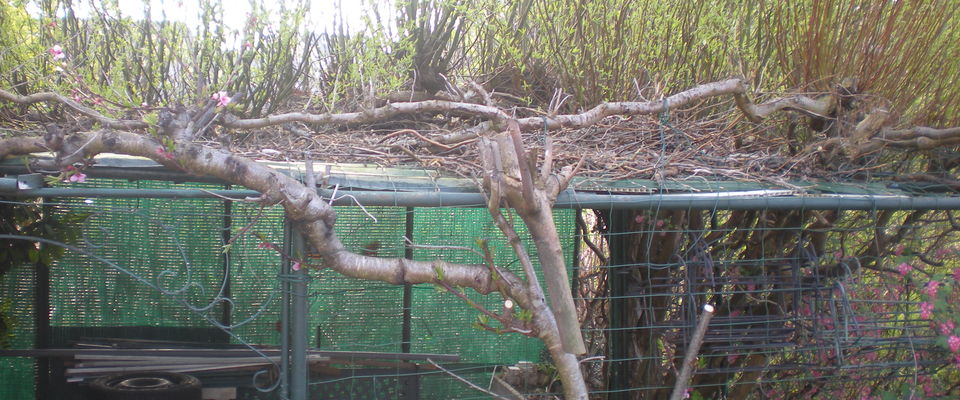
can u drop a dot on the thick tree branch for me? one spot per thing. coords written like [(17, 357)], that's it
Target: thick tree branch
[(375, 115), (302, 205)]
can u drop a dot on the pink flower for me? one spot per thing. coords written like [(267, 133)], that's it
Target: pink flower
[(264, 245), (78, 177), (732, 358), (247, 45), (295, 266), (164, 153), (926, 310), (954, 342), (956, 274), (904, 269), (57, 52), (931, 288), (947, 327), (221, 98)]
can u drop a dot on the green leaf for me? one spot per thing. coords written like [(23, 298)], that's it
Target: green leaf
[(152, 118), (438, 269), (33, 255)]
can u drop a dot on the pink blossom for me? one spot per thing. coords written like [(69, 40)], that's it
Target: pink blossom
[(57, 52), (221, 98), (931, 288), (926, 310), (264, 245), (295, 266), (904, 269), (947, 327), (732, 358), (247, 45), (899, 250), (640, 218), (78, 177), (164, 153), (954, 342), (956, 274)]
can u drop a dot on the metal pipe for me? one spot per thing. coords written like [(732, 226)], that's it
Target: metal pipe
[(298, 321), (567, 199), (130, 193), (285, 290), (690, 359)]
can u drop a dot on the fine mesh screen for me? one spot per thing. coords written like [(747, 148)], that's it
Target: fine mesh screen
[(168, 268), (17, 373)]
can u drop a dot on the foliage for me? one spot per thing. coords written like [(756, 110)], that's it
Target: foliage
[(29, 219), (594, 50)]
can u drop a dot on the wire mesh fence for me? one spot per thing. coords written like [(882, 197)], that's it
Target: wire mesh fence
[(199, 270), (809, 302)]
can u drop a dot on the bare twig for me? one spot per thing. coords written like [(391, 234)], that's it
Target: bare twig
[(50, 97), (468, 383)]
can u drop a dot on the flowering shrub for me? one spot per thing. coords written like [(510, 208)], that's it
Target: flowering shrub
[(940, 296)]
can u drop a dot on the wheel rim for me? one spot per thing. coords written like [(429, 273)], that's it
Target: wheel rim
[(144, 383)]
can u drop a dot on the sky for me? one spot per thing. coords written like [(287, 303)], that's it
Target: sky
[(321, 17)]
